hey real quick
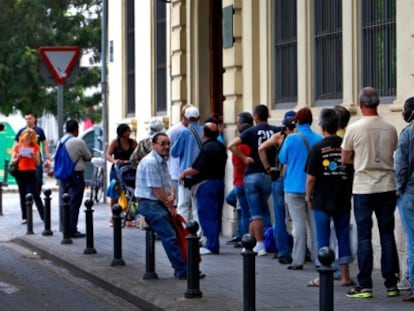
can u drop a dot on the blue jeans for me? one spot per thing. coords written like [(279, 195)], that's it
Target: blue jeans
[(258, 187), (244, 210), (279, 228), (383, 205), (406, 208), (159, 219), (74, 186), (210, 198), (323, 230)]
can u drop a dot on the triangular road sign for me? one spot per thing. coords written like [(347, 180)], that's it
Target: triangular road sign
[(60, 60)]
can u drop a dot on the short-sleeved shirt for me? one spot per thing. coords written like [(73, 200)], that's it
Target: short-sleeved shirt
[(26, 161), (333, 179), (40, 134), (373, 141), (254, 137), (211, 161), (152, 172), (239, 165)]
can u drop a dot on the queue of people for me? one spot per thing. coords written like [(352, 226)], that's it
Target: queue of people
[(315, 182)]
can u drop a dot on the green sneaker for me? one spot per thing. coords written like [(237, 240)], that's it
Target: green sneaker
[(359, 292), (393, 292)]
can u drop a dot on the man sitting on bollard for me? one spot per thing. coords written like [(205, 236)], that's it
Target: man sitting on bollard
[(154, 190)]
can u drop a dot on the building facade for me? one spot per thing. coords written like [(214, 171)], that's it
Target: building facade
[(226, 56)]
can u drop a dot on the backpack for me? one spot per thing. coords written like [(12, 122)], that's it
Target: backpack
[(64, 166)]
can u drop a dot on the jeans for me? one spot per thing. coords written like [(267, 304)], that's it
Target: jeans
[(383, 205), (210, 198), (323, 229), (406, 208), (159, 219), (74, 186), (244, 210), (258, 187), (279, 228)]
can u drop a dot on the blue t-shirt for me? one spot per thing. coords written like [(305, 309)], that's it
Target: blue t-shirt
[(254, 137), (294, 154)]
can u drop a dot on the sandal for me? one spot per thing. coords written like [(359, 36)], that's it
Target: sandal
[(349, 283), (314, 283), (130, 223)]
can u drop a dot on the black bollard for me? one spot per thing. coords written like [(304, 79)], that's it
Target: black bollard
[(149, 254), (66, 219), (89, 228), (46, 212), (1, 198), (3, 184), (117, 220), (249, 272), (326, 279), (193, 258), (29, 213)]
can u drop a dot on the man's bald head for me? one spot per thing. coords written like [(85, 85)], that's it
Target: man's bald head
[(210, 130)]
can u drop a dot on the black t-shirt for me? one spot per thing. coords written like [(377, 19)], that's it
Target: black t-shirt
[(211, 161), (254, 137), (333, 184)]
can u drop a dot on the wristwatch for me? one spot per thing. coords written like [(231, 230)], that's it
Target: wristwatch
[(308, 199)]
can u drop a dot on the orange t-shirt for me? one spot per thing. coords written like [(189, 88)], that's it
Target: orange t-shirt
[(26, 160)]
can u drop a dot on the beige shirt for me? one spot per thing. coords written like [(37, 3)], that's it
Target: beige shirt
[(78, 152), (373, 141)]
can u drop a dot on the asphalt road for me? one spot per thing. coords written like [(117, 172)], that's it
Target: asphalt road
[(28, 282)]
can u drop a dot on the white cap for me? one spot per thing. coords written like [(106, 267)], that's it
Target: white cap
[(191, 113)]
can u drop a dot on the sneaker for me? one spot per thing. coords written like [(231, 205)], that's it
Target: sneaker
[(285, 260), (359, 292), (393, 292), (260, 252), (205, 251), (404, 284)]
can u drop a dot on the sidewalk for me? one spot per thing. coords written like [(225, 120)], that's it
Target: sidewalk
[(276, 287)]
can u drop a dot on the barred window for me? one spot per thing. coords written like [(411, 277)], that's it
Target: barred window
[(328, 49), (286, 85), (379, 45), (130, 58), (160, 58)]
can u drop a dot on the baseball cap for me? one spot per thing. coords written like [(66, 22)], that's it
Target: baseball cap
[(191, 113), (156, 126), (289, 119)]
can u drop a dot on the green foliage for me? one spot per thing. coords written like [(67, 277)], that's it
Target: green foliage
[(27, 25)]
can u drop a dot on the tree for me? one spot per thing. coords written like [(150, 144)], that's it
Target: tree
[(29, 24)]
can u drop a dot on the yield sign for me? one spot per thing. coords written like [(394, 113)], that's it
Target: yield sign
[(60, 60)]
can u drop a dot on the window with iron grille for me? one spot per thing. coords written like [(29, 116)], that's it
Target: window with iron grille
[(160, 58), (379, 45), (286, 86), (328, 49), (130, 58)]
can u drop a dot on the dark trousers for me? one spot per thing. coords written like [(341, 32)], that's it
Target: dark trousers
[(383, 205), (26, 182), (74, 186)]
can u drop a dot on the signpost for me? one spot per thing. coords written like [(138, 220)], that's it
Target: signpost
[(60, 60)]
